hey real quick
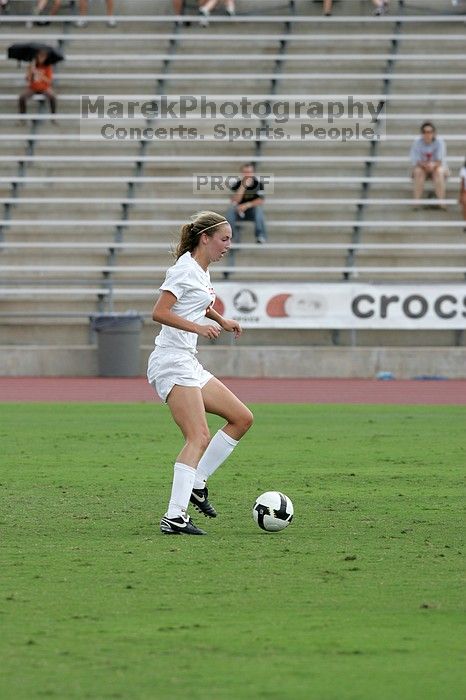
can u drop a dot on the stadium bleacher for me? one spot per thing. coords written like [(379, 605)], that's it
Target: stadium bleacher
[(87, 225)]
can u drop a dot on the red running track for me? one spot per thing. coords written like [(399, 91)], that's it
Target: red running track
[(353, 391)]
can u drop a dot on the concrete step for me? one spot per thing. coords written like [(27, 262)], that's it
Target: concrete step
[(409, 277), (30, 232)]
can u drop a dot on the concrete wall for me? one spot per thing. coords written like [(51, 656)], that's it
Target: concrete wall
[(253, 361)]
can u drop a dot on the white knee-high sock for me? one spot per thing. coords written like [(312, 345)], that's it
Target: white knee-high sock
[(183, 481), (220, 447)]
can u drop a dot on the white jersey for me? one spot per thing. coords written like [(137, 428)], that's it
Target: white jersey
[(191, 286)]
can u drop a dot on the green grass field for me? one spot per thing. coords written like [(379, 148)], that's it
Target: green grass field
[(360, 598)]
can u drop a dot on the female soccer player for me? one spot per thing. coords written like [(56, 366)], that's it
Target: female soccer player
[(186, 298)]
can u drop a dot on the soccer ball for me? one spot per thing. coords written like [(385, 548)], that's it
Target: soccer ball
[(273, 511)]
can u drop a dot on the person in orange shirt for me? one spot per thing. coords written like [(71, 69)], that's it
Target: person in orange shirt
[(39, 77)]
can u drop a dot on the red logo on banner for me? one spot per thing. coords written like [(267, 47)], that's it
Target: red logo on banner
[(276, 306)]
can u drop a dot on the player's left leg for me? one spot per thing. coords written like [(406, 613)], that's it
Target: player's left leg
[(187, 408), (220, 401)]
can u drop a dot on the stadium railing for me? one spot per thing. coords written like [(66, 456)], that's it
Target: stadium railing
[(273, 203), (303, 224), (11, 136), (274, 270), (84, 78), (204, 38), (245, 19), (129, 58), (182, 179)]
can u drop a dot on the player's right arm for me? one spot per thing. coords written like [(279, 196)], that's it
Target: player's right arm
[(163, 313), (239, 188)]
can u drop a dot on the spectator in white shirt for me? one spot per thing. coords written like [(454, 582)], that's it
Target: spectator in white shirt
[(428, 158)]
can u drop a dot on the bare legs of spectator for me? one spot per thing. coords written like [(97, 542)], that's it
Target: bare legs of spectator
[(41, 8), (27, 94), (419, 178), (42, 4), (207, 7), (179, 7), (84, 8), (327, 9), (438, 178)]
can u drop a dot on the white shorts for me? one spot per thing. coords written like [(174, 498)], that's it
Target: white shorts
[(167, 368)]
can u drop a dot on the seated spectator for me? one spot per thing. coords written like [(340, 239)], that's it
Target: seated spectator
[(462, 197), (39, 77), (208, 5), (381, 7), (247, 204), (3, 6), (428, 157), (83, 11)]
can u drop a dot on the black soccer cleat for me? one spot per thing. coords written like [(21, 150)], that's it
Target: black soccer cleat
[(199, 499), (179, 526)]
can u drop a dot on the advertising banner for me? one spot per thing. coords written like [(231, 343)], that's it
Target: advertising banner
[(341, 305)]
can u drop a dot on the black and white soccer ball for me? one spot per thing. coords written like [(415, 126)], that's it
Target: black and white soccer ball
[(273, 511)]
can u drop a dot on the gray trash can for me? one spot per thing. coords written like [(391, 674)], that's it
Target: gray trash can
[(118, 343)]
